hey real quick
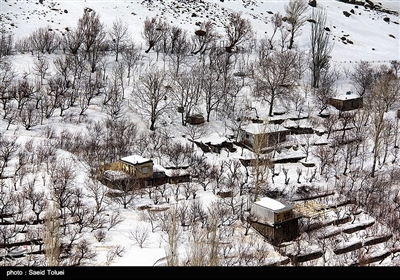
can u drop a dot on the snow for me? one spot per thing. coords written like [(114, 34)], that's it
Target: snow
[(261, 128), (135, 159), (213, 139), (270, 203), (371, 42), (346, 96)]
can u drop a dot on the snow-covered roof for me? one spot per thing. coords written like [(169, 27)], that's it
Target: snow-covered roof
[(135, 159), (347, 95), (289, 124), (270, 203), (213, 139), (260, 128), (170, 172)]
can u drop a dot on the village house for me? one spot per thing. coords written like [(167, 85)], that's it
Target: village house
[(346, 102), (276, 221), (143, 171), (137, 166), (262, 135)]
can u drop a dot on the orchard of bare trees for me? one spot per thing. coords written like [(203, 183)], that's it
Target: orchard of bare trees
[(96, 93)]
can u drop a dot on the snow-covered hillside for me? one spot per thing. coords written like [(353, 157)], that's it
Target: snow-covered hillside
[(135, 230), (365, 28)]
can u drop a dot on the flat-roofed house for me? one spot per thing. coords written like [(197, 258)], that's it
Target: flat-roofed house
[(347, 102), (275, 220), (262, 135), (137, 166)]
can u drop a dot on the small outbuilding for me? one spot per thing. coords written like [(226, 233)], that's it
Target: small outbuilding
[(277, 221), (347, 102)]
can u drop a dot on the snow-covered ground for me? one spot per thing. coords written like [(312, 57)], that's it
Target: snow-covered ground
[(371, 41)]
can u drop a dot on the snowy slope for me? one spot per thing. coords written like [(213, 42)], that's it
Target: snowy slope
[(366, 29)]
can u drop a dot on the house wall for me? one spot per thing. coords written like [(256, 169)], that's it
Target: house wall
[(246, 138), (262, 214), (347, 104), (286, 231), (283, 216), (276, 137), (266, 215), (278, 233), (262, 140), (265, 230), (144, 170), (115, 166)]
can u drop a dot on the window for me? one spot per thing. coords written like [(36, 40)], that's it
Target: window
[(145, 170)]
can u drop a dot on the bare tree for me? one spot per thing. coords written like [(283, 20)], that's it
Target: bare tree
[(237, 29), (35, 198), (113, 100), (41, 68), (178, 154), (321, 46), (118, 34), (274, 75), (362, 77), (204, 37), (211, 91), (98, 192), (6, 42), (125, 190), (377, 107), (277, 24), (296, 17), (22, 92), (180, 49), (93, 37), (63, 176), (152, 94), (173, 237), (81, 254), (389, 84), (115, 219), (186, 92), (44, 39), (29, 117), (326, 89), (120, 138), (52, 237), (201, 171), (8, 147), (7, 75), (72, 40), (140, 234), (131, 56), (153, 31)]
